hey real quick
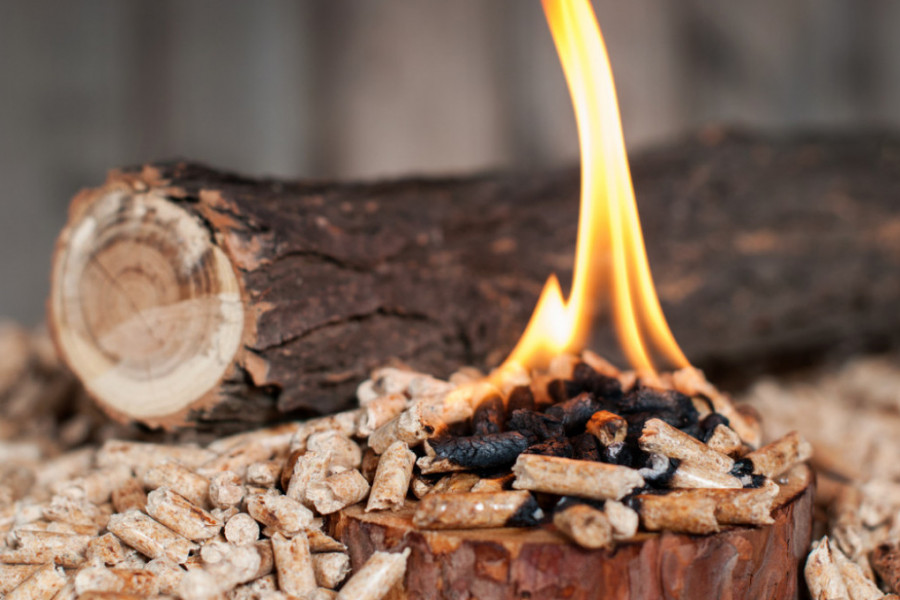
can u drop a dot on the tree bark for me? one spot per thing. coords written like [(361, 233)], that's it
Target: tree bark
[(743, 563), (183, 295)]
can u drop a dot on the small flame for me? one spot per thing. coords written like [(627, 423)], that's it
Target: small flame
[(610, 252)]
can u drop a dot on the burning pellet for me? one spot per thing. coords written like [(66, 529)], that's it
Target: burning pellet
[(43, 584), (379, 411), (144, 456), (340, 449), (725, 441), (886, 562), (474, 510), (689, 475), (456, 483), (678, 513), (296, 575), (607, 427), (330, 568), (559, 447), (338, 491), (535, 426), (180, 515), (585, 525), (105, 550), (520, 398), (580, 478), (150, 537), (225, 489), (482, 451), (858, 585), (774, 459), (375, 579), (623, 520), (139, 582), (311, 467), (392, 478), (489, 416), (241, 529), (13, 575), (586, 447), (168, 574), (823, 578), (494, 484), (39, 547), (130, 495), (279, 512), (660, 437), (575, 413), (179, 479)]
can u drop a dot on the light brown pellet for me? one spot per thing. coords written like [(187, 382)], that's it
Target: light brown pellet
[(321, 542), (392, 478), (140, 582), (180, 515), (168, 574), (330, 568), (150, 537), (225, 490), (237, 458), (338, 491), (279, 512), (725, 440), (823, 578), (689, 475), (420, 487), (293, 561), (142, 456), (200, 585), (310, 467), (96, 486), (13, 575), (661, 438), (379, 411), (774, 459), (456, 482), (343, 422), (241, 529), (129, 495), (233, 565), (623, 520), (429, 465), (43, 584), (473, 510), (858, 585), (181, 480), (83, 515), (342, 452), (105, 550), (375, 579), (264, 474), (276, 438), (585, 525), (751, 506), (39, 547), (678, 513), (565, 476), (494, 484)]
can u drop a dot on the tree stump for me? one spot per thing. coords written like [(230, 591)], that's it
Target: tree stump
[(186, 296), (741, 563)]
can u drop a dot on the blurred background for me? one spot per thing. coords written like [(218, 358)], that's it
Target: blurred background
[(356, 89)]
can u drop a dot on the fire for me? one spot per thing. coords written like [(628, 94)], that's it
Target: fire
[(610, 252)]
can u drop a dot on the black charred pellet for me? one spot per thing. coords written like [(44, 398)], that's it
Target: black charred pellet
[(534, 425), (558, 447), (482, 451), (489, 416), (576, 412), (557, 390), (644, 399), (586, 447), (520, 397), (709, 423), (742, 467), (528, 515), (600, 386), (619, 453)]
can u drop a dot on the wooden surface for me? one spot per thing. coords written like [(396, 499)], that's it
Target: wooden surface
[(768, 254), (741, 563)]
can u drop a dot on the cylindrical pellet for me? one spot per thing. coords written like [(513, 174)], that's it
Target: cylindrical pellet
[(473, 510), (661, 438), (293, 561), (587, 526), (375, 579), (42, 585), (150, 537), (179, 479), (330, 568), (338, 491), (774, 459), (392, 478), (179, 515), (567, 477), (678, 513), (279, 512)]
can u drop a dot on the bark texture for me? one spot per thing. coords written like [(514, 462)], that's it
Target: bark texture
[(743, 563), (768, 254)]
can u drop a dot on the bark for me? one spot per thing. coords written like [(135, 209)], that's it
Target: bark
[(768, 255), (743, 563)]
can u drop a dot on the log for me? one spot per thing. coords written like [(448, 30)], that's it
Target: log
[(742, 563), (183, 295)]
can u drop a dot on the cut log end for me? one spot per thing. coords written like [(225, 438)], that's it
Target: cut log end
[(738, 562), (146, 310)]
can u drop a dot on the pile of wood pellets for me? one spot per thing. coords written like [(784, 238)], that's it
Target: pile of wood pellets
[(600, 453)]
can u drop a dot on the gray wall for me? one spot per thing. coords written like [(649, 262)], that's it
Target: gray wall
[(368, 88)]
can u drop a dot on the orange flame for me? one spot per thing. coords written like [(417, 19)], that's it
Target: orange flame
[(610, 251)]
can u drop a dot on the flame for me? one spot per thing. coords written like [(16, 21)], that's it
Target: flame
[(610, 252)]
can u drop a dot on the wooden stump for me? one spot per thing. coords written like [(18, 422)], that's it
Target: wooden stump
[(740, 563), (183, 295)]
